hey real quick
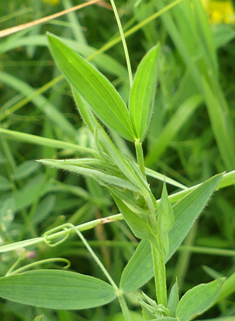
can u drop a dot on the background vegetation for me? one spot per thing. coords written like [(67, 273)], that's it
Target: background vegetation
[(191, 138)]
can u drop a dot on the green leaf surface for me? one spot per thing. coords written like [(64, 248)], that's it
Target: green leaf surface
[(54, 289), (198, 300), (140, 268), (143, 92), (188, 209), (103, 98)]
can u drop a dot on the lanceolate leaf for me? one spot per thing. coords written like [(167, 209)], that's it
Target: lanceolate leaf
[(198, 300), (61, 290), (103, 98), (140, 269), (143, 92)]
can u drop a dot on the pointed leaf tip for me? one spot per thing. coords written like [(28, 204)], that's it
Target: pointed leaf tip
[(143, 92), (100, 94)]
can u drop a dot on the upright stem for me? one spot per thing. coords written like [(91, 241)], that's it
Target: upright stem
[(159, 271), (140, 156), (123, 42)]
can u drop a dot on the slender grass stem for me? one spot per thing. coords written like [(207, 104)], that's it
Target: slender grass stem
[(140, 156), (123, 42)]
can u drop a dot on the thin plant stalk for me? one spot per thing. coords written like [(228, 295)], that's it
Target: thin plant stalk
[(123, 42)]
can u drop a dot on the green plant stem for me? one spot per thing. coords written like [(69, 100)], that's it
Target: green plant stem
[(124, 307), (140, 156), (159, 271), (123, 42), (95, 257)]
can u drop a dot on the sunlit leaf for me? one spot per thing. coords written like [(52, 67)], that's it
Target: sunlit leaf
[(143, 92), (103, 98)]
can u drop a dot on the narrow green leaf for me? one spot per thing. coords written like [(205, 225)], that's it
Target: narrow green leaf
[(221, 126), (143, 92), (103, 98), (140, 267), (54, 289), (188, 209), (198, 300)]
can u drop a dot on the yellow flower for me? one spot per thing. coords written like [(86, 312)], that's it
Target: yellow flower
[(219, 11), (53, 2)]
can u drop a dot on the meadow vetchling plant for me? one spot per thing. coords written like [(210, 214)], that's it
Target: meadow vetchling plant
[(160, 226)]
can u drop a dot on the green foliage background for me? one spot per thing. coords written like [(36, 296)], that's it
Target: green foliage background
[(188, 144)]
